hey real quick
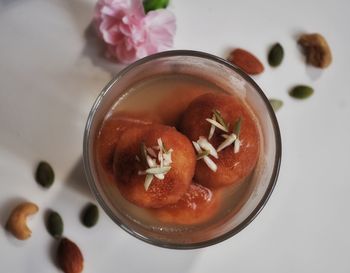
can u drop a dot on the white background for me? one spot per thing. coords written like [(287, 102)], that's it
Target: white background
[(51, 70)]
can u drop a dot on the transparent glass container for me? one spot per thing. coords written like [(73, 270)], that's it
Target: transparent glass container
[(227, 77)]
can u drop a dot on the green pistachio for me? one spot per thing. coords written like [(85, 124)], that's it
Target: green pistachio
[(54, 224), (90, 215), (44, 174), (301, 92), (276, 104), (276, 54)]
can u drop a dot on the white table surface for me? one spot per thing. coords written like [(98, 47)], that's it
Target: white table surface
[(51, 71)]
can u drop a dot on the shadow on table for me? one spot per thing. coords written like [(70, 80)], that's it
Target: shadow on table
[(313, 72), (53, 246), (94, 49), (149, 258), (8, 3), (77, 181), (81, 13)]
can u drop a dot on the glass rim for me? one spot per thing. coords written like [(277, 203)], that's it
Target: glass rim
[(271, 184)]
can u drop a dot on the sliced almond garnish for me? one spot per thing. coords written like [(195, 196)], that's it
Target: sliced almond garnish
[(150, 162), (160, 176), (167, 158), (205, 145), (210, 163), (204, 149), (143, 153), (158, 163), (237, 126), (158, 170), (151, 152), (160, 158), (148, 181), (197, 147), (220, 119), (216, 124), (236, 146), (232, 138), (202, 154), (227, 142), (212, 129)]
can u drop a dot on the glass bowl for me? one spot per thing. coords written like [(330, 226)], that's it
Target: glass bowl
[(227, 77)]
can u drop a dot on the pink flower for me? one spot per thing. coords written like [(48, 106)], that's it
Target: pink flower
[(129, 33)]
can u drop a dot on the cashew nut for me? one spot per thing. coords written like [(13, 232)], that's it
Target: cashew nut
[(17, 224)]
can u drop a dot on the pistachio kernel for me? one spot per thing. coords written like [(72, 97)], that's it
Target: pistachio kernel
[(276, 104), (301, 92), (90, 215), (54, 224), (276, 55), (44, 174)]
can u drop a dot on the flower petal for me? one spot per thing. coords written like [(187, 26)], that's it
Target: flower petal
[(161, 28), (124, 54), (130, 33)]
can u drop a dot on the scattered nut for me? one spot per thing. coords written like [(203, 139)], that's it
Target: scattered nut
[(44, 174), (54, 224), (316, 50), (90, 215), (69, 257), (246, 61), (276, 104), (17, 222), (301, 92), (276, 54)]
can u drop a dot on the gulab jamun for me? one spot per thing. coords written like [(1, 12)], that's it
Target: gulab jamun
[(153, 165), (212, 119), (113, 127)]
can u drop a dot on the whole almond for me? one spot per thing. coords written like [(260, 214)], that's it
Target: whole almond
[(246, 61), (69, 257)]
